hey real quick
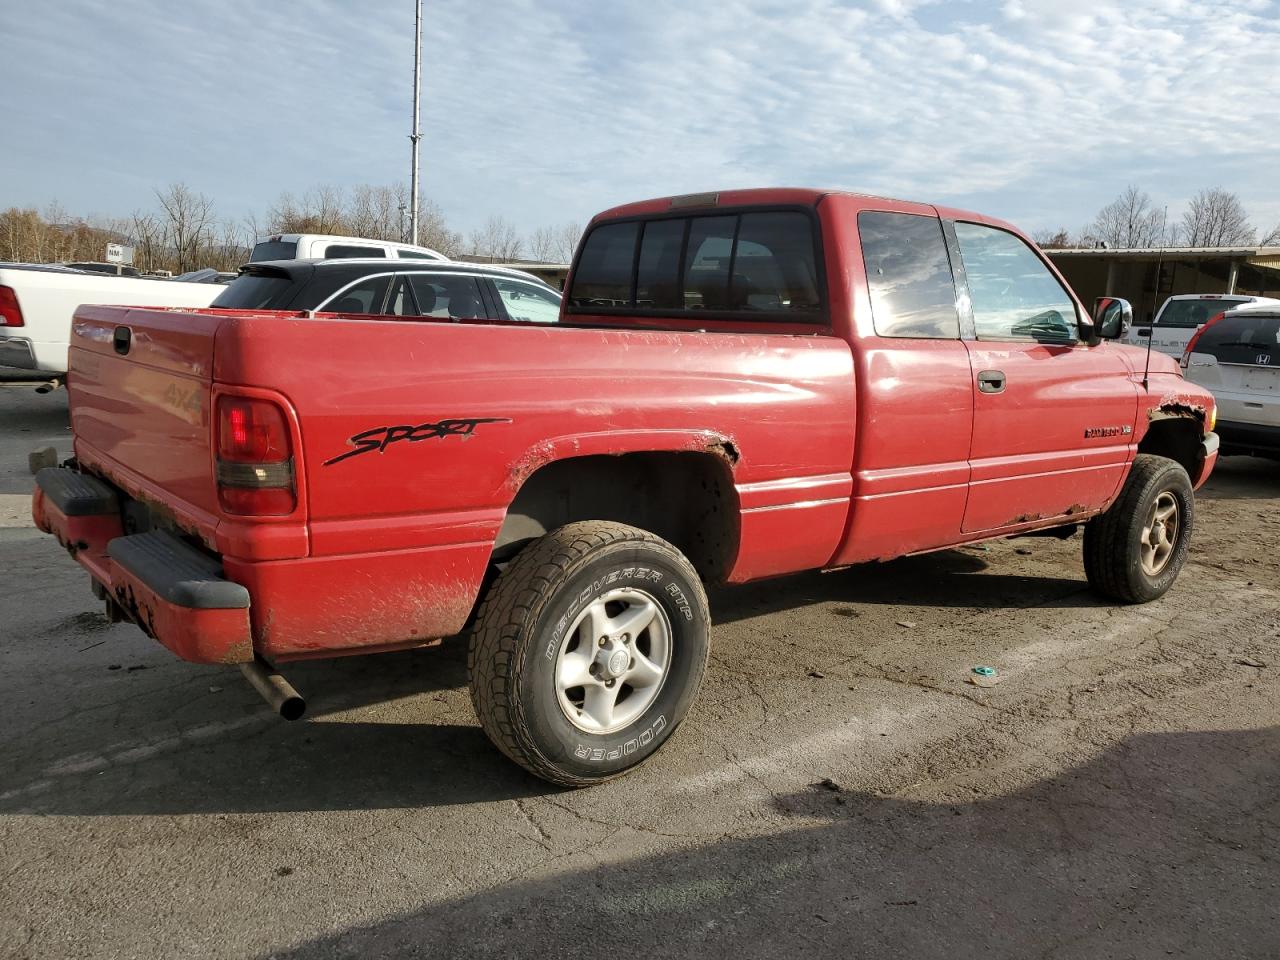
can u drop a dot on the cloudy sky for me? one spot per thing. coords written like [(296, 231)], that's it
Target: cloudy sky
[(1039, 111)]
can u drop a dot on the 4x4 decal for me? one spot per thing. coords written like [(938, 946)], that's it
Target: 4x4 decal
[(379, 438)]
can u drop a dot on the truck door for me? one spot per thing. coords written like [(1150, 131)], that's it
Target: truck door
[(1053, 418), (914, 391)]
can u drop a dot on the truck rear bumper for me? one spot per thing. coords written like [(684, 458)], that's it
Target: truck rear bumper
[(171, 590)]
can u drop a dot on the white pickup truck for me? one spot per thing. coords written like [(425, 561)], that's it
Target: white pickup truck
[(37, 302)]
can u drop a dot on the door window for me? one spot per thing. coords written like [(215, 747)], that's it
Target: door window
[(524, 301), (338, 251), (365, 297), (908, 276), (447, 297), (1014, 295)]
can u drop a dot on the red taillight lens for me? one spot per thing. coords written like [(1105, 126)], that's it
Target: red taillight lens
[(255, 458), (10, 312)]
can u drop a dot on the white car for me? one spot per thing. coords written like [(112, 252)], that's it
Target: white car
[(37, 302), (1180, 317), (1238, 359), (316, 246)]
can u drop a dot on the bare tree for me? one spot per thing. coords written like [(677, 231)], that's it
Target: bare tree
[(1272, 238), (1130, 220), (434, 232), (190, 223), (567, 237), (1216, 218), (1052, 239), (542, 244), (497, 239)]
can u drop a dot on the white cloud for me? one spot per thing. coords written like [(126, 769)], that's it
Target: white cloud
[(1037, 110)]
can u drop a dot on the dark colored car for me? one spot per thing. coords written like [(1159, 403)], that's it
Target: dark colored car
[(409, 288)]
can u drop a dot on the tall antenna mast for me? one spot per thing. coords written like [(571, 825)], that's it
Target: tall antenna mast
[(1151, 327), (416, 135)]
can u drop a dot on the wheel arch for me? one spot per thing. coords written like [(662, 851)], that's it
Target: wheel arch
[(1176, 436), (685, 496)]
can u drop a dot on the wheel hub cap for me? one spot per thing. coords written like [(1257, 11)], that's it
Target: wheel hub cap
[(613, 660)]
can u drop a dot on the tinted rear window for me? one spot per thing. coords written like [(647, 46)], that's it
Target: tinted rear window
[(1253, 340), (249, 292), (759, 264), (273, 250), (1192, 313), (344, 251)]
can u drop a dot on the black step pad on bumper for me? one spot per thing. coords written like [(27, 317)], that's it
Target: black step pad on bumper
[(77, 494), (177, 572)]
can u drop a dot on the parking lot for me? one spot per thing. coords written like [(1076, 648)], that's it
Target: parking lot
[(839, 789)]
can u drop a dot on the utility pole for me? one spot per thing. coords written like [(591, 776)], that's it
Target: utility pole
[(416, 135)]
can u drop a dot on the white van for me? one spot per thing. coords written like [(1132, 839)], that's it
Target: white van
[(316, 246), (1238, 359), (1181, 316)]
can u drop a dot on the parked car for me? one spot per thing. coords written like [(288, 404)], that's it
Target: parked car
[(1237, 357), (313, 246), (1180, 317), (447, 290), (37, 303), (742, 385)]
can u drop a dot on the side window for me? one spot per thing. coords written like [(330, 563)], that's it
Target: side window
[(365, 297), (603, 274), (1014, 295), (447, 297), (400, 303), (338, 251), (524, 301), (414, 255), (909, 276)]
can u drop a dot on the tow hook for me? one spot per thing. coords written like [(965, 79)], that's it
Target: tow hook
[(275, 689)]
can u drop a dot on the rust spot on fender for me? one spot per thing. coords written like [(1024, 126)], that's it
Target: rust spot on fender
[(1074, 508), (1023, 518), (726, 450), (1173, 406)]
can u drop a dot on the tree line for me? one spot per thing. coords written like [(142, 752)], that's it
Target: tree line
[(183, 230), (1214, 217)]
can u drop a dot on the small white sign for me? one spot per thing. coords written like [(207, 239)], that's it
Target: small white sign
[(119, 253)]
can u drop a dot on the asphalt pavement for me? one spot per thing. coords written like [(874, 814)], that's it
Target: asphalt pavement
[(840, 789)]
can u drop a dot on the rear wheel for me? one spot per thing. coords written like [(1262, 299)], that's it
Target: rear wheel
[(1135, 550), (588, 651)]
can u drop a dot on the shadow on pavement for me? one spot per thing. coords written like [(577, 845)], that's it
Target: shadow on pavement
[(1163, 845), (1242, 478)]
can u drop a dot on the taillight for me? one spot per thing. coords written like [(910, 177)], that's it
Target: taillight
[(1191, 344), (255, 458), (10, 312)]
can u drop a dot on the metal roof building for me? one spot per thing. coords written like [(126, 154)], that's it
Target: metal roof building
[(1147, 277)]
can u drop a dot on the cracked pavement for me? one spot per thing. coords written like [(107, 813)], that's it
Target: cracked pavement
[(839, 787)]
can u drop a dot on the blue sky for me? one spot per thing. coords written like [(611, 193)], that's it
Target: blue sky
[(1038, 111)]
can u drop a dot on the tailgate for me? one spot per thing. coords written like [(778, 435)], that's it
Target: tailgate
[(139, 391)]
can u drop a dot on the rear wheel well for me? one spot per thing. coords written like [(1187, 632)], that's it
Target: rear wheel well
[(1176, 439), (688, 499)]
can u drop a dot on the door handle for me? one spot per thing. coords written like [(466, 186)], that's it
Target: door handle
[(1144, 332), (991, 381)]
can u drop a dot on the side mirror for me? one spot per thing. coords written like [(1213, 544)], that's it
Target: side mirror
[(1112, 317)]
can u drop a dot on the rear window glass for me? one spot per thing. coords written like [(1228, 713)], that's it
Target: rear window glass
[(249, 292), (603, 275), (750, 263), (909, 276), (1248, 339), (340, 251), (448, 297), (365, 297), (274, 250), (1192, 313)]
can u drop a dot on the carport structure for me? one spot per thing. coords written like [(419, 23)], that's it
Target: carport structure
[(1147, 277)]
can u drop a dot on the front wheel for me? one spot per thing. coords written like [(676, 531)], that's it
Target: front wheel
[(588, 651), (1134, 551)]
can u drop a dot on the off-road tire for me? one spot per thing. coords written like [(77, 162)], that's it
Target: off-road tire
[(517, 635), (1113, 541)]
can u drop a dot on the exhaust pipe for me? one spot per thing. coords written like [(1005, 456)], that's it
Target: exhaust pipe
[(49, 386), (275, 689)]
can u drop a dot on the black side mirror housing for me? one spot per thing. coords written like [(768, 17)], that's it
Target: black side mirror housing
[(1112, 317)]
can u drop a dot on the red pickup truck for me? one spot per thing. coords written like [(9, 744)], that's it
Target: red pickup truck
[(741, 385)]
